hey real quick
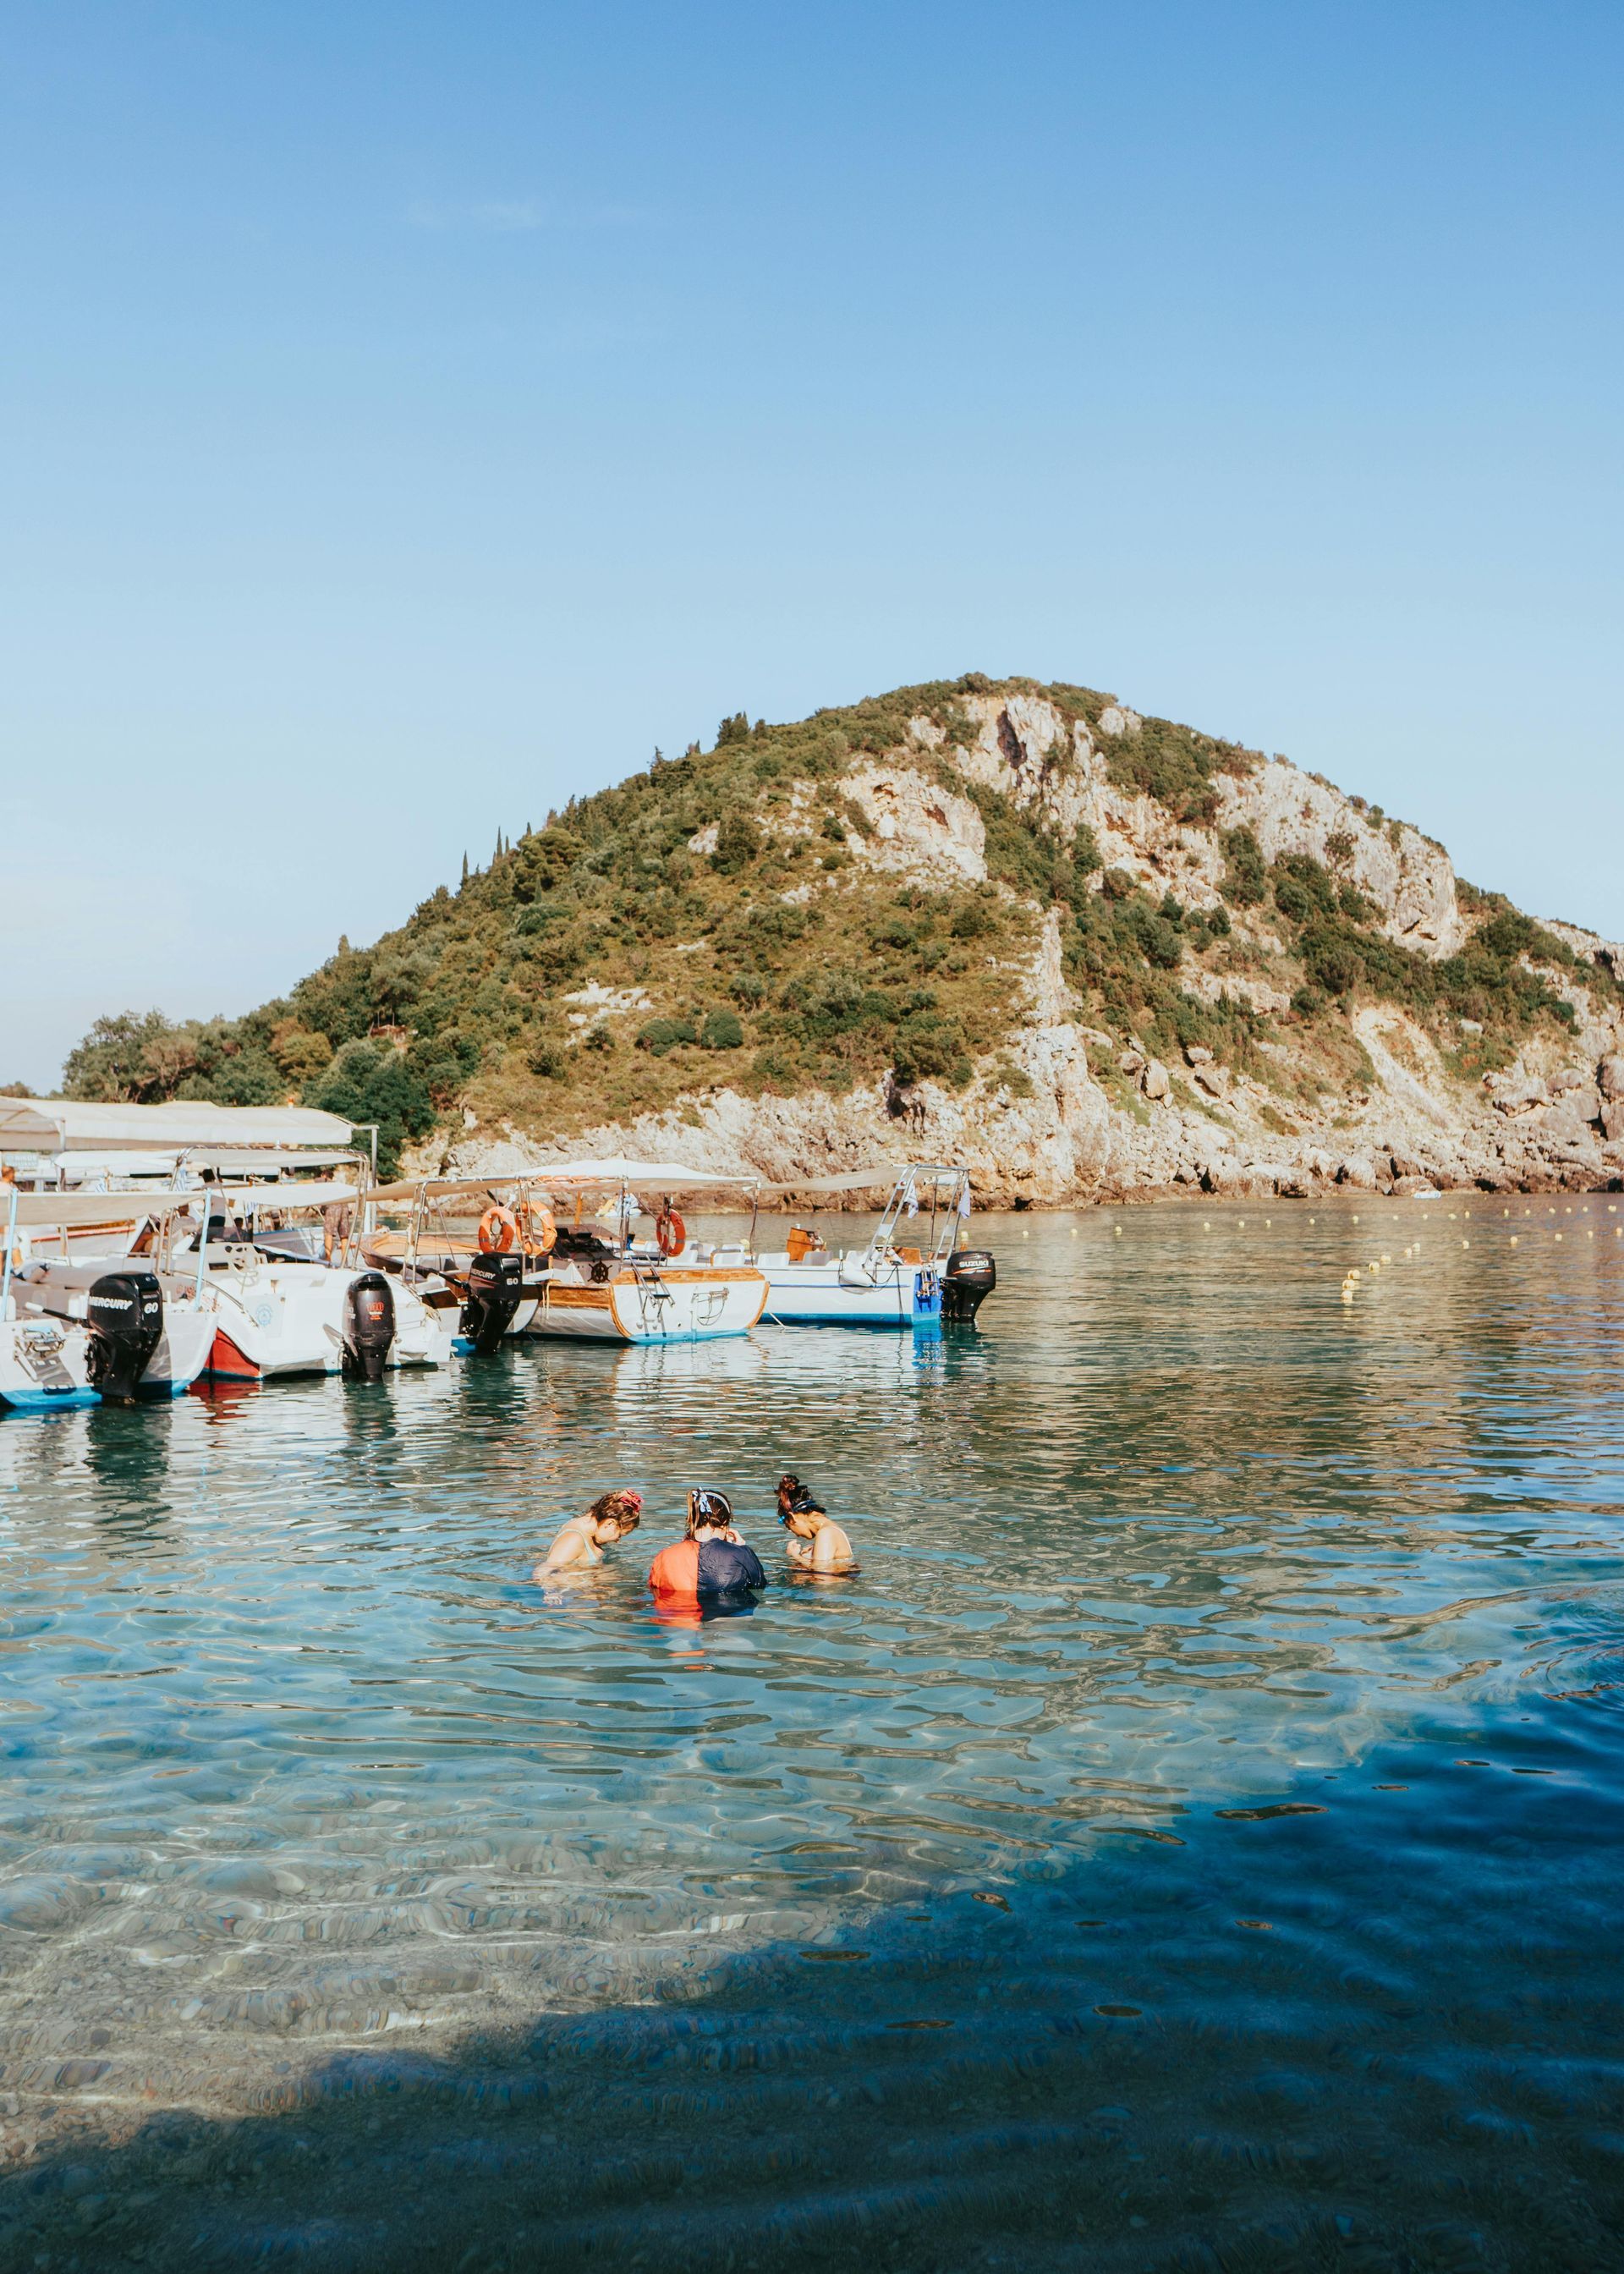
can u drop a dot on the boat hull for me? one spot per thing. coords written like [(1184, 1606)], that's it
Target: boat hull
[(288, 1319), (669, 1305), (44, 1367), (903, 1295), (59, 1290)]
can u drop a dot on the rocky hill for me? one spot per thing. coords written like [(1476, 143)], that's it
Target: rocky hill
[(1089, 952)]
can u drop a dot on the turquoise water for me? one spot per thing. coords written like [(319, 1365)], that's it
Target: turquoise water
[(1191, 1839)]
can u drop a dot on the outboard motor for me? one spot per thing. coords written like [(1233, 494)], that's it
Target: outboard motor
[(495, 1285), (369, 1326), (123, 1311), (970, 1278)]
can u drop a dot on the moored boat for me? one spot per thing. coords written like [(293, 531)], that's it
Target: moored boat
[(522, 1272), (276, 1313), (912, 1273), (85, 1333)]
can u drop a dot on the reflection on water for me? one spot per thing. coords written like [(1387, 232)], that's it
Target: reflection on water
[(1193, 1829)]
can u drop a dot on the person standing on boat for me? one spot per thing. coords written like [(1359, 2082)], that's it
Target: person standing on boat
[(712, 1560), (613, 1515), (816, 1543), (337, 1219)]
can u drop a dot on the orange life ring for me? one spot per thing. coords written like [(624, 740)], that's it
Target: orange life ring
[(540, 1228), (498, 1228), (669, 1232)]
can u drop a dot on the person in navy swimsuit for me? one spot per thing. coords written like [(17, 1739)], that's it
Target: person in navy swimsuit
[(712, 1560)]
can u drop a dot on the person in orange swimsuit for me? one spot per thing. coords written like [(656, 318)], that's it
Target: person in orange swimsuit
[(710, 1559)]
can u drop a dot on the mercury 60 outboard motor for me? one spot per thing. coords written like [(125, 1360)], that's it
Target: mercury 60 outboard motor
[(971, 1276), (369, 1326), (124, 1313), (494, 1284)]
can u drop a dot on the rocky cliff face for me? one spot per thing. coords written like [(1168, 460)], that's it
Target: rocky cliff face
[(1368, 1093)]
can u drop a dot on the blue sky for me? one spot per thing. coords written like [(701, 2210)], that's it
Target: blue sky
[(414, 414)]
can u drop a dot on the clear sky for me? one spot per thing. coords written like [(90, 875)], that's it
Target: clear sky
[(413, 414)]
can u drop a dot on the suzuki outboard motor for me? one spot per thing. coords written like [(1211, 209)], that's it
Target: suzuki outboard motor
[(369, 1326), (971, 1276), (123, 1311), (494, 1283)]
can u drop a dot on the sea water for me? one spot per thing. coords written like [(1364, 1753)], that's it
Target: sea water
[(1190, 1839)]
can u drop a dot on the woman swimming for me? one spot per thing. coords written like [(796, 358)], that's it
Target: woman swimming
[(612, 1516), (711, 1559), (816, 1543)]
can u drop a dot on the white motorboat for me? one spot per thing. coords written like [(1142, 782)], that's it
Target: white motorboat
[(149, 1338), (278, 1306), (76, 1333), (895, 1280)]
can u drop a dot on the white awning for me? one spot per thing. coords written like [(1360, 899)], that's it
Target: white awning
[(436, 1188), (230, 1162), (662, 1176), (885, 1173), (57, 1209), (57, 1124), (571, 1176)]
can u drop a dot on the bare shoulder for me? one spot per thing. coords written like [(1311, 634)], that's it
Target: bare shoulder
[(568, 1547)]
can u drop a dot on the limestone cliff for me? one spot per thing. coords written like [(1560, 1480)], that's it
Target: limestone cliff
[(1260, 877)]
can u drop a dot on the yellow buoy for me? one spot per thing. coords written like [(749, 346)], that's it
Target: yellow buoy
[(1514, 1240)]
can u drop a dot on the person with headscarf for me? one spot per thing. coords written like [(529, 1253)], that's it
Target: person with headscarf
[(816, 1542), (710, 1559)]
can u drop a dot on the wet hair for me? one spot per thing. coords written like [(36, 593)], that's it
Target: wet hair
[(622, 1507), (710, 1509), (802, 1500)]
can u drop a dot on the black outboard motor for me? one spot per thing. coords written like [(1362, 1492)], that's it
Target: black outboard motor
[(971, 1276), (369, 1326), (125, 1313), (495, 1283)]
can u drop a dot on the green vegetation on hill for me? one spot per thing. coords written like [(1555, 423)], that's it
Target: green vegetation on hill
[(704, 923)]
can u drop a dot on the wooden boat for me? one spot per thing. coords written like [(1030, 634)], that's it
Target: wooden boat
[(567, 1281)]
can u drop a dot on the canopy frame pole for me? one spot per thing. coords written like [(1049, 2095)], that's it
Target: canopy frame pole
[(10, 1243)]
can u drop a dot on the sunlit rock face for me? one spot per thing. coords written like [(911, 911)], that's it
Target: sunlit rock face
[(1066, 1111)]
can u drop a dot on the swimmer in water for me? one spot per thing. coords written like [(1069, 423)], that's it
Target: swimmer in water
[(712, 1560), (816, 1542), (581, 1544)]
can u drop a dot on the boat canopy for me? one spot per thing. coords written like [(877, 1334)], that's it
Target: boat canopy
[(666, 1176), (57, 1124), (62, 1210), (569, 1176), (316, 1194), (885, 1173), (440, 1188), (228, 1160)]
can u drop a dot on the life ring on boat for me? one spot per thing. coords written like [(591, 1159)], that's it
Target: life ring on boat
[(539, 1226), (669, 1232), (498, 1228)]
